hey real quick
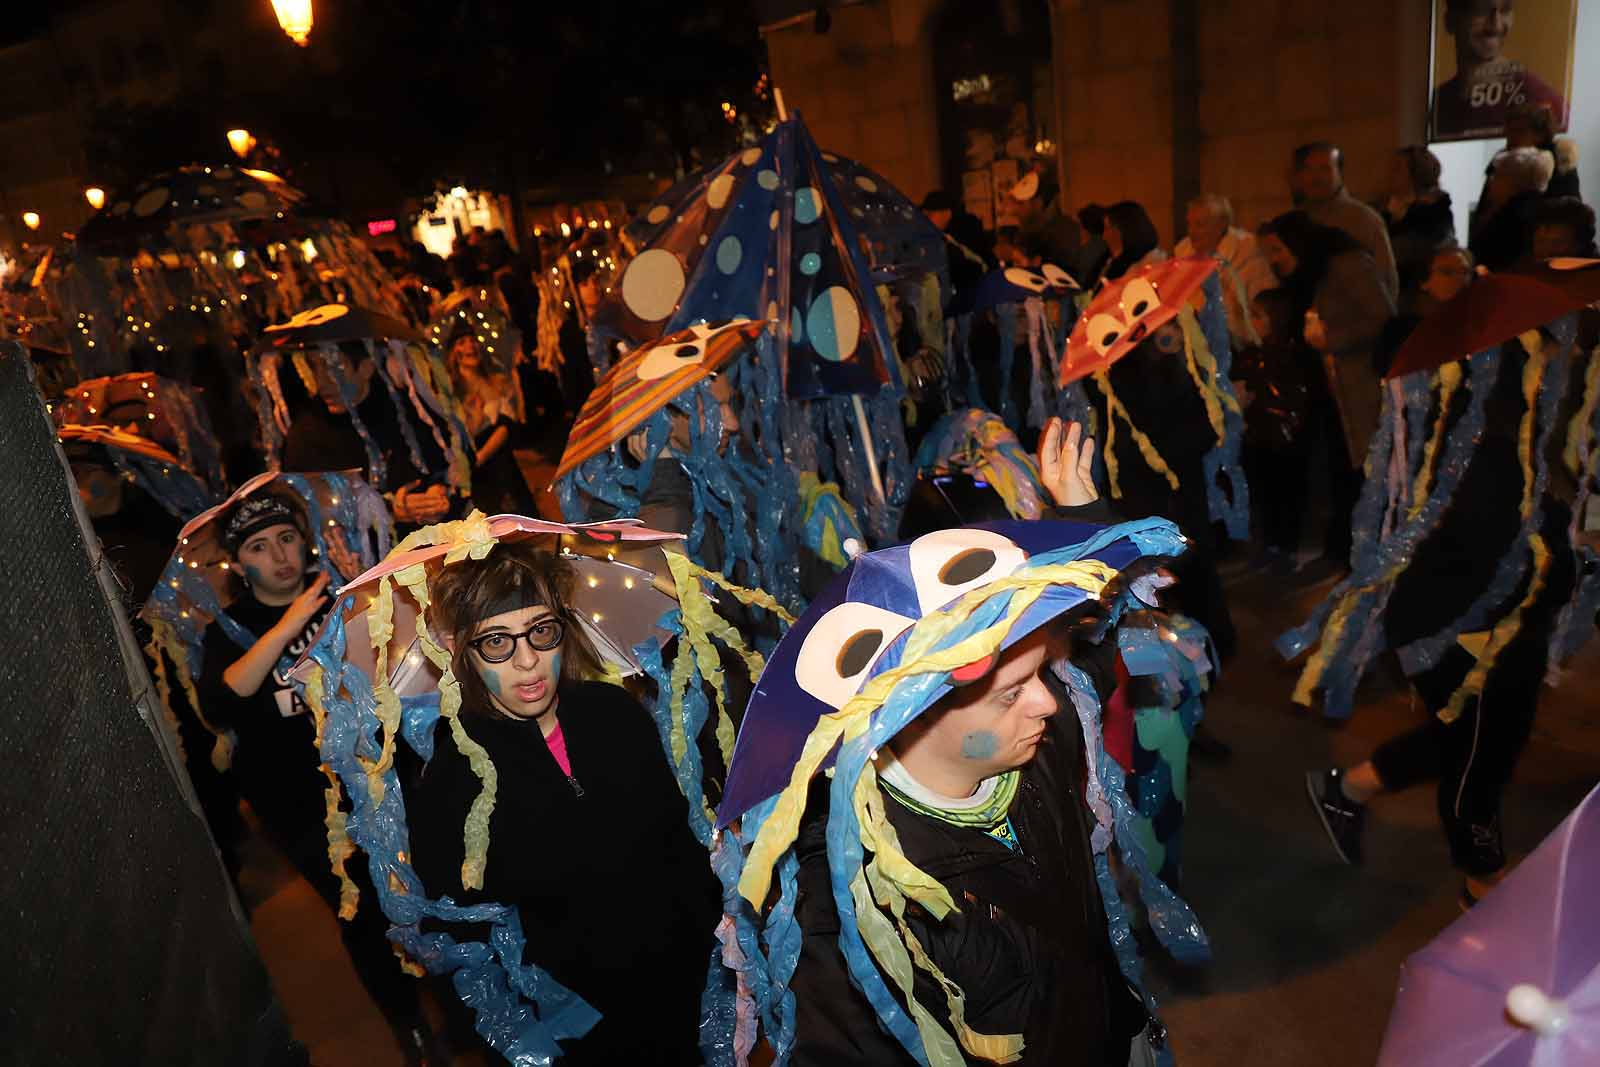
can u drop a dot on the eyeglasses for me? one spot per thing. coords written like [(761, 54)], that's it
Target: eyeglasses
[(542, 636)]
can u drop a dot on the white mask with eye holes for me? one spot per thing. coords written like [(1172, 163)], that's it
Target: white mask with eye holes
[(845, 645), (686, 348), (1139, 301), (1057, 278)]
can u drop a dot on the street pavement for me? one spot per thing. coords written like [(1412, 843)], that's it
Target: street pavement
[(1306, 949)]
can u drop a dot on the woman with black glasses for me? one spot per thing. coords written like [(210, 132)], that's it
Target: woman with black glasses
[(589, 836)]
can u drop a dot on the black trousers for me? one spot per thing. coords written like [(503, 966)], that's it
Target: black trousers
[(1278, 484), (1473, 757), (1344, 489)]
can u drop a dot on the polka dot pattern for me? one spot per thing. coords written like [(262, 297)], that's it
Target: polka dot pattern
[(807, 205), (810, 263), (718, 191), (750, 157), (729, 253), (658, 214)]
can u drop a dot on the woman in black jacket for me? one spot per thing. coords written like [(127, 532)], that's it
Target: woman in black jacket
[(1418, 215), (589, 837)]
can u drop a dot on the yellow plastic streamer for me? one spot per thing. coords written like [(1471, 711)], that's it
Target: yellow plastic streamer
[(812, 490), (340, 848), (308, 377), (380, 625), (1580, 454), (1147, 447), (164, 639), (1508, 627), (1449, 379), (1202, 367)]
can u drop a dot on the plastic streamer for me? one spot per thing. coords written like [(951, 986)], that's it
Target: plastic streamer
[(1147, 447), (1208, 359), (829, 520), (1005, 317), (977, 440), (1043, 361)]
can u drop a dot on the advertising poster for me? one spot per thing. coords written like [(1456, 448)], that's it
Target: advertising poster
[(1492, 56)]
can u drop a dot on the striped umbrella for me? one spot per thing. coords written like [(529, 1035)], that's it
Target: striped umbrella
[(648, 379)]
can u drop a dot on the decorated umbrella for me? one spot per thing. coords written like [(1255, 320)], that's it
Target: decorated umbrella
[(224, 247), (1142, 307), (1005, 292), (481, 315), (1494, 309), (377, 678), (649, 378), (158, 409), (887, 638), (1515, 982), (349, 528), (180, 491), (186, 196), (769, 235), (413, 375)]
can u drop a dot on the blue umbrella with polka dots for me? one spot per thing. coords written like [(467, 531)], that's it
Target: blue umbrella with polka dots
[(785, 233)]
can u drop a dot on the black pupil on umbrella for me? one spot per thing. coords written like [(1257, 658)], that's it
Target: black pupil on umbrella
[(1139, 308), (688, 352), (719, 324), (1110, 338), (963, 568), (858, 651)]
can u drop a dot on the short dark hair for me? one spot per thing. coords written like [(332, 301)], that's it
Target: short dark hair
[(1282, 311), (1424, 168), (1133, 222), (1092, 217), (466, 593), (1306, 151)]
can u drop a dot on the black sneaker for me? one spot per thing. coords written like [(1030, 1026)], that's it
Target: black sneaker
[(1342, 817)]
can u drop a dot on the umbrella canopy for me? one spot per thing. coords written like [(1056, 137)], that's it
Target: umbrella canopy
[(1129, 310), (1494, 309), (1515, 981), (979, 442), (768, 234), (332, 323), (854, 630), (179, 490), (160, 410), (1013, 285), (648, 379), (191, 194), (617, 604)]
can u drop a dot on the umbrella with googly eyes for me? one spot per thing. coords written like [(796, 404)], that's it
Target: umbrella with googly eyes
[(857, 629), (648, 379), (1014, 285), (1130, 310)]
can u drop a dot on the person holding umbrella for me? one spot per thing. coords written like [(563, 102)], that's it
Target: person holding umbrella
[(586, 807)]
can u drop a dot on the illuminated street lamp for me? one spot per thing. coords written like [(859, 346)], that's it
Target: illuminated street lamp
[(295, 18), (241, 141), (96, 197), (30, 219)]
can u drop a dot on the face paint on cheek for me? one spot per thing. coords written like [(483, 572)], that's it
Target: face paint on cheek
[(555, 665), (979, 744), (491, 681), (252, 575)]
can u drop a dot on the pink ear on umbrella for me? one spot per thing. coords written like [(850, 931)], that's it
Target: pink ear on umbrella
[(973, 671)]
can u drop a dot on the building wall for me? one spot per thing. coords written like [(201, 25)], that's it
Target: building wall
[(865, 88)]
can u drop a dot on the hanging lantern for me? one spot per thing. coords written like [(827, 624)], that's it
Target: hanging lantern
[(295, 18), (241, 141), (30, 219), (96, 197)]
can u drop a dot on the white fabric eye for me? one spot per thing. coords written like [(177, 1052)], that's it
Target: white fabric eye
[(947, 563), (1057, 277), (1026, 279), (1139, 299), (842, 647), (668, 359), (1104, 331)]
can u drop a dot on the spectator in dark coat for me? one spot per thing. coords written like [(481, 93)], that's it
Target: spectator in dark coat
[(1501, 232), (1417, 214), (1563, 226), (1132, 238)]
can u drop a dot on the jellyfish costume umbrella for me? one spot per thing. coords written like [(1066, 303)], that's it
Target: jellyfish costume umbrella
[(181, 492), (348, 528), (412, 375), (772, 234), (1432, 424), (886, 639), (1125, 315), (474, 313), (981, 443), (162, 411), (1007, 292), (378, 677)]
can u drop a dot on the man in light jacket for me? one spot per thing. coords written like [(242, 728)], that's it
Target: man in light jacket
[(1245, 272), (1317, 178)]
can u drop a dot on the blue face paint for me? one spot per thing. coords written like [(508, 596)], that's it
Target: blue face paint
[(252, 575), (491, 680), (555, 667), (979, 744)]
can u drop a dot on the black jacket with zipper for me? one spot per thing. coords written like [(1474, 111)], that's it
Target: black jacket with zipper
[(617, 899), (1028, 947)]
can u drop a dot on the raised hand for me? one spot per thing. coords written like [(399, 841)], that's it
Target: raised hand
[(1066, 464)]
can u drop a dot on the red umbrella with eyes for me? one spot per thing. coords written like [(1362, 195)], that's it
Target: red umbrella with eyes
[(1128, 311)]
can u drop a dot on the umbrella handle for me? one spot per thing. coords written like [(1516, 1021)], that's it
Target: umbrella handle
[(1529, 1006)]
